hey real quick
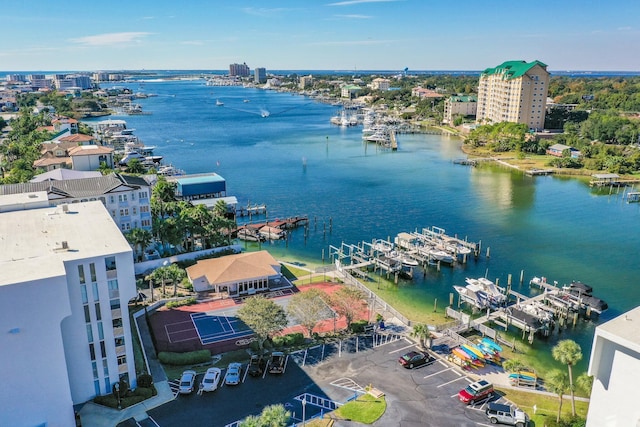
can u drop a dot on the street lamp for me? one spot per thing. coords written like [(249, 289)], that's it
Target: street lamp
[(116, 387), (304, 414)]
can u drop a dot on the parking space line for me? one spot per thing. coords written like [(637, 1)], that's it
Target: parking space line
[(452, 381), (403, 348), (439, 372)]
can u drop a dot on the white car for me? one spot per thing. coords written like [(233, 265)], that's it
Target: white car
[(187, 380), (211, 379), (233, 374)]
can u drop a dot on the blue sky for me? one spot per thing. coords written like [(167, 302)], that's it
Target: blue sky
[(319, 34)]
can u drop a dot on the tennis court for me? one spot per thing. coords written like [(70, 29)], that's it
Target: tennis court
[(213, 328)]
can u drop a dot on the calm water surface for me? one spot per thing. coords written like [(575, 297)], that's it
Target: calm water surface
[(297, 163)]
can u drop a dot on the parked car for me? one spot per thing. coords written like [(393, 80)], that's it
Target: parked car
[(234, 370), (256, 365), (474, 392), (211, 379), (187, 380), (414, 359), (505, 414), (276, 364)]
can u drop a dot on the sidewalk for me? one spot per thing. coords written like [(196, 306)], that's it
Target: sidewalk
[(93, 415)]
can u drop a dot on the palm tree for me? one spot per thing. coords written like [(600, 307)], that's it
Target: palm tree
[(585, 382), (557, 382), (139, 238), (569, 353), (422, 332)]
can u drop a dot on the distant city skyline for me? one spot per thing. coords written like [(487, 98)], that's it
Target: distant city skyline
[(319, 35)]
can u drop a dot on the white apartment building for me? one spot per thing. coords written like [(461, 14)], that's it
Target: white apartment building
[(126, 197), (615, 366), (459, 106), (514, 91), (67, 275)]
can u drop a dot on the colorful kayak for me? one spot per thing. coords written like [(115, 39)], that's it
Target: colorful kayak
[(471, 354), (461, 353), (473, 350), (488, 351), (491, 343), (523, 376)]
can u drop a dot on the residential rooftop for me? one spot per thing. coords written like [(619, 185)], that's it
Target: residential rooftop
[(37, 242)]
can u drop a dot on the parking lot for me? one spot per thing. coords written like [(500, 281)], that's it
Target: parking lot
[(337, 372)]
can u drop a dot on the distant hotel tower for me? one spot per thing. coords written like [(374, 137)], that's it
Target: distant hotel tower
[(240, 70), (514, 91), (260, 75)]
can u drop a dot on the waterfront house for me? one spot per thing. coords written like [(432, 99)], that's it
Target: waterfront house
[(558, 150), (90, 157), (423, 93), (380, 84), (203, 189), (236, 275), (349, 91)]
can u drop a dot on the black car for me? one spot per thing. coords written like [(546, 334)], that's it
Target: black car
[(257, 365), (413, 359)]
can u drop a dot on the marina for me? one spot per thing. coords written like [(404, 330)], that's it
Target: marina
[(373, 193)]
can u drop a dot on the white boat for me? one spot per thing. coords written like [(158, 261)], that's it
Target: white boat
[(219, 103), (272, 233), (472, 295), (170, 170), (404, 259), (382, 246), (496, 295), (250, 235), (440, 255)]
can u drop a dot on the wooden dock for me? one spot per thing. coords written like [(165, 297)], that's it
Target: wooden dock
[(538, 172)]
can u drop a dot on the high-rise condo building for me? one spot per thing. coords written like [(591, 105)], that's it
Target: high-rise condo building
[(260, 75), (514, 91), (239, 70), (67, 276)]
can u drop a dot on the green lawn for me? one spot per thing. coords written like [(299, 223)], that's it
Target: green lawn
[(546, 406), (365, 409)]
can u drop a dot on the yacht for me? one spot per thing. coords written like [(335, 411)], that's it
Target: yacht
[(473, 295), (496, 295)]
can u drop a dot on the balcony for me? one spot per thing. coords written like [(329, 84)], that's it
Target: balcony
[(121, 350), (116, 313), (118, 332), (123, 369), (112, 274)]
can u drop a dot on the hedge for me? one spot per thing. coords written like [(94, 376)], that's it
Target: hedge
[(180, 303), (189, 358), (288, 340), (128, 399), (358, 326)]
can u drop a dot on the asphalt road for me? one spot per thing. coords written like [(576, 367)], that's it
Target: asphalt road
[(426, 396)]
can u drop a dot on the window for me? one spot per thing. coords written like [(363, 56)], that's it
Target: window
[(133, 196), (92, 351), (144, 209), (111, 199), (92, 271), (115, 304), (100, 331), (113, 289), (122, 197), (110, 263), (146, 223), (135, 210), (103, 349), (83, 292), (122, 360), (87, 314), (98, 313), (96, 386), (81, 274), (107, 385), (119, 342), (142, 195), (105, 368), (95, 291), (113, 213), (89, 332)]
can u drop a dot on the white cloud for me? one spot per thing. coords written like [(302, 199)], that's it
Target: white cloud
[(193, 42), (350, 2), (147, 18), (354, 16), (624, 28), (110, 39)]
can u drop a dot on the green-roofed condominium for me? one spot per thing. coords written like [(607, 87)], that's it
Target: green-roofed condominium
[(459, 106), (514, 91)]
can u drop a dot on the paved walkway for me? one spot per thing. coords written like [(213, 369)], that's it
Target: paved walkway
[(93, 415)]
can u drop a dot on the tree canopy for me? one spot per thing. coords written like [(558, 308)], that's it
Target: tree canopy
[(263, 316), (308, 308)]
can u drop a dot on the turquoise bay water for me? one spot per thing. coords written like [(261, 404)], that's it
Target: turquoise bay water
[(297, 163)]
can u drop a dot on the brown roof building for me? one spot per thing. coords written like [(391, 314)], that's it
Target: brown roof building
[(237, 275)]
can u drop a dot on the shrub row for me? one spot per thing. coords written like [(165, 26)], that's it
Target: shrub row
[(188, 358), (180, 303), (358, 326), (129, 398), (288, 340)]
